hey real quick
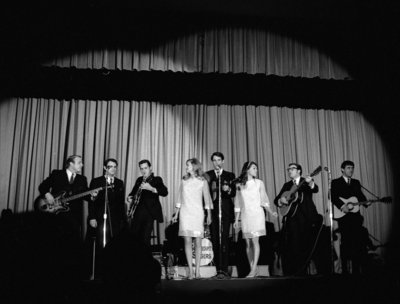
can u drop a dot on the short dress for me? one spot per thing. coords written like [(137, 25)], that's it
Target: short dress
[(249, 201), (192, 192)]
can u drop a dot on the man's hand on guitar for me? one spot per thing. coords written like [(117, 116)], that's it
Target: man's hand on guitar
[(93, 223), (147, 186), (93, 195), (282, 201), (274, 213), (345, 208), (129, 199), (49, 198)]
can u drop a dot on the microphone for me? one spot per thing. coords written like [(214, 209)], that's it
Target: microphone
[(219, 169), (110, 181)]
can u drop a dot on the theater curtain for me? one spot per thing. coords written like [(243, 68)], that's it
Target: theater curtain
[(220, 50), (37, 135)]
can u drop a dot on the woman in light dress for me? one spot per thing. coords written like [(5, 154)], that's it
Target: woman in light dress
[(250, 200), (189, 207)]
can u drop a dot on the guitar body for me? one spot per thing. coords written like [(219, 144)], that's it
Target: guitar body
[(61, 204), (293, 198), (43, 205), (292, 202), (352, 204)]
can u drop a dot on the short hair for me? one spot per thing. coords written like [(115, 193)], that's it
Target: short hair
[(71, 159), (219, 154), (298, 167), (346, 163), (110, 160), (144, 161)]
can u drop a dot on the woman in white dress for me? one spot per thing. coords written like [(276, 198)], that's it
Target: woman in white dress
[(250, 200), (189, 207)]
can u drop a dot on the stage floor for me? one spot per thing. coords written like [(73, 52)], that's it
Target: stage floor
[(308, 289), (294, 290)]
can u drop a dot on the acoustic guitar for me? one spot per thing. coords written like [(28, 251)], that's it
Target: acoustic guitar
[(354, 205), (292, 196)]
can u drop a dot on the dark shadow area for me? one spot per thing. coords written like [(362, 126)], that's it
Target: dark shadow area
[(186, 88), (312, 289), (42, 262)]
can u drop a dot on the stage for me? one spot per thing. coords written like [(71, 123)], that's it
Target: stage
[(308, 289)]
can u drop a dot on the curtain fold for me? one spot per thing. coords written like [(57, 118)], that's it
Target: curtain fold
[(219, 50), (38, 134)]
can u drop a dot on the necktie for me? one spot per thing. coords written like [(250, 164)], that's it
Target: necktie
[(348, 181), (71, 179)]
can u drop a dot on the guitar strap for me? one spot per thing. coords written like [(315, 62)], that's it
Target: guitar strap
[(369, 191)]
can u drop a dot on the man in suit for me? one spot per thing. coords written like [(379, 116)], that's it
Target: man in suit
[(350, 225), (298, 223), (70, 181), (145, 196), (114, 207), (228, 191)]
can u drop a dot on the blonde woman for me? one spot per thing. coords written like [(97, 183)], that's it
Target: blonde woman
[(189, 207)]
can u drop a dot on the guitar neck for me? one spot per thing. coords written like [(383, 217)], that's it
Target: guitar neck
[(383, 200), (76, 196), (315, 172), (366, 202), (299, 185)]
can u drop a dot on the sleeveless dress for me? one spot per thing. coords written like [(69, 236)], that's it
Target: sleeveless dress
[(192, 192), (249, 201)]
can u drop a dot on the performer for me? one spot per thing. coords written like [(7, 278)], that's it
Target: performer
[(350, 225), (144, 202), (115, 207), (298, 223), (189, 207), (227, 216), (250, 200), (70, 181)]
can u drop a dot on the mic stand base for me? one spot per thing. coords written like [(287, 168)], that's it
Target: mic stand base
[(222, 275)]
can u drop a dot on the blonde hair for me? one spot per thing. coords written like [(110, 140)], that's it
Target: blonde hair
[(197, 169)]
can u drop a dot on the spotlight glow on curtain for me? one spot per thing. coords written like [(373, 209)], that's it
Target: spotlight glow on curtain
[(37, 134)]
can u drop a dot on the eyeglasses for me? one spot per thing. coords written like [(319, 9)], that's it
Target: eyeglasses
[(291, 168), (109, 167)]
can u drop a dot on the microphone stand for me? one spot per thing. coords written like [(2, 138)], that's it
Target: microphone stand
[(220, 272), (331, 219), (105, 213)]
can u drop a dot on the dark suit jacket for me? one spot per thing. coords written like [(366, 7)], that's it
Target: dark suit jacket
[(307, 207), (149, 199), (116, 203), (226, 199), (58, 182), (339, 188)]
